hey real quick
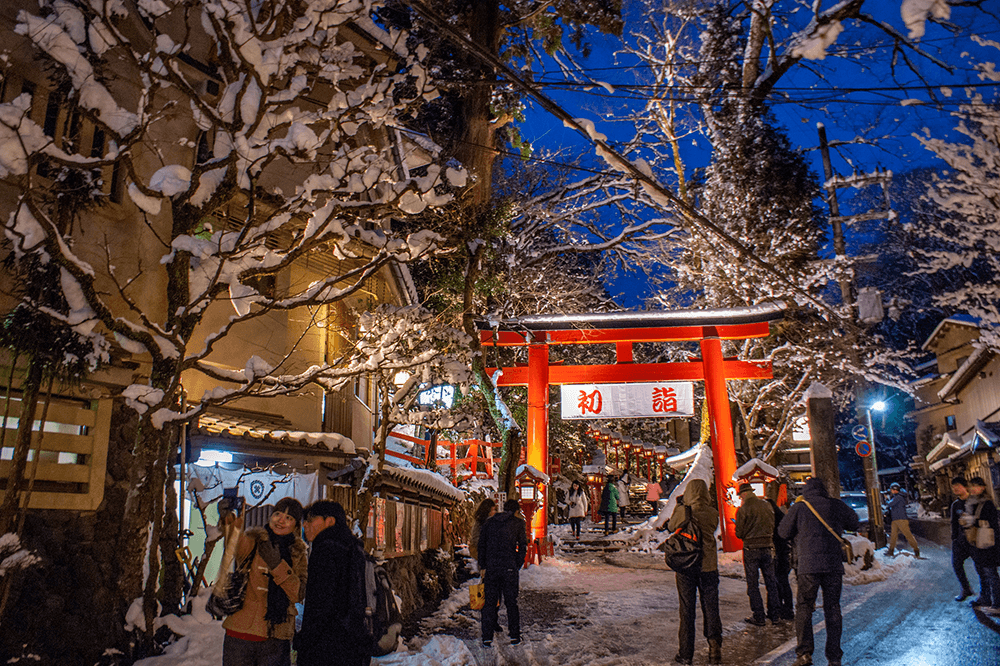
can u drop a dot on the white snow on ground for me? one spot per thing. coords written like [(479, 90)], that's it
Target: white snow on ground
[(607, 607)]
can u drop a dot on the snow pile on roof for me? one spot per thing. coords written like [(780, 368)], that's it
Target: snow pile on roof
[(542, 476), (333, 441), (753, 465), (427, 478)]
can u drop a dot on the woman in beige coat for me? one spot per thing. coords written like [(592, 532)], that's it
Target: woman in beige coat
[(260, 633)]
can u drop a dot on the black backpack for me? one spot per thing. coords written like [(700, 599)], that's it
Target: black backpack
[(381, 621), (683, 549)]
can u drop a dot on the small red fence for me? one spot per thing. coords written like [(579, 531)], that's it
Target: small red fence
[(477, 454)]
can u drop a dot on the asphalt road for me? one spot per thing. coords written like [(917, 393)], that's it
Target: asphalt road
[(914, 621)]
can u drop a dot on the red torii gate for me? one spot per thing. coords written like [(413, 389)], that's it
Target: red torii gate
[(708, 327)]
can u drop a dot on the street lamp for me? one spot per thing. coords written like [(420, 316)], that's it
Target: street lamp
[(876, 523)]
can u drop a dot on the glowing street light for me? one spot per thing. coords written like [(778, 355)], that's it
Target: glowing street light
[(876, 523)]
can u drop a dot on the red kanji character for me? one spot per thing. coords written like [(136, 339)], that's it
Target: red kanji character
[(590, 402), (664, 400)]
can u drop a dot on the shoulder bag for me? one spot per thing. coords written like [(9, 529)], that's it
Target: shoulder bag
[(229, 593), (683, 549), (845, 546)]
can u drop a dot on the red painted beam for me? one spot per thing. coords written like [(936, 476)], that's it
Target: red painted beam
[(635, 372), (610, 336)]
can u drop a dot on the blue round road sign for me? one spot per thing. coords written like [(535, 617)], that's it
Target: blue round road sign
[(863, 449), (859, 432)]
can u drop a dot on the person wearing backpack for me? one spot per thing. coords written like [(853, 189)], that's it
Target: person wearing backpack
[(814, 524), (332, 631), (503, 547), (704, 582)]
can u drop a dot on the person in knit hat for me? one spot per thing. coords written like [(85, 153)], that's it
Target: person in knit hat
[(261, 632), (755, 526)]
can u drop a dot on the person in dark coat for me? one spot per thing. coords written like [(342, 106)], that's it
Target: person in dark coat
[(609, 505), (896, 507), (332, 623), (961, 550), (755, 526), (782, 562), (705, 583), (503, 547), (819, 565), (980, 512)]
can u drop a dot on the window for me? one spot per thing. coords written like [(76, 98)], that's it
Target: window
[(204, 151), (949, 422), (117, 182), (52, 114), (97, 145)]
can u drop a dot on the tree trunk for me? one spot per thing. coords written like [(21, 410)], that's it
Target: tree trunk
[(173, 571), (476, 147)]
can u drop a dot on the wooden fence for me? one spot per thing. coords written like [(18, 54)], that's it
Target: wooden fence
[(72, 453)]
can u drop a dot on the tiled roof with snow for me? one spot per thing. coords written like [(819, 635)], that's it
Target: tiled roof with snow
[(424, 479)]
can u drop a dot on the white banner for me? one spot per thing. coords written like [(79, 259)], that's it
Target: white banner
[(627, 401)]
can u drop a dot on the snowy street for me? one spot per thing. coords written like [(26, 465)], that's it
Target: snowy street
[(621, 609)]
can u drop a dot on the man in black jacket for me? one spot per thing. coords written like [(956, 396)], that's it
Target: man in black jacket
[(755, 526), (332, 623), (503, 546), (819, 565), (960, 548)]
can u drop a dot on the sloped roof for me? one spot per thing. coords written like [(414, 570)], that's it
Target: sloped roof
[(423, 480), (268, 435), (948, 441), (966, 372), (954, 320), (984, 436)]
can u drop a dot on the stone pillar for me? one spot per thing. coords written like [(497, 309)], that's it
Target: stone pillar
[(823, 441)]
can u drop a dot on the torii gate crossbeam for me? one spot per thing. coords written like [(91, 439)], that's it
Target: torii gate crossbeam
[(707, 327)]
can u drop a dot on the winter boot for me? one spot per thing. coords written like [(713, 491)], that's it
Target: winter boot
[(715, 652)]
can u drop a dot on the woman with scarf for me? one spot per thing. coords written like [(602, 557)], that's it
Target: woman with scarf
[(578, 506), (260, 633)]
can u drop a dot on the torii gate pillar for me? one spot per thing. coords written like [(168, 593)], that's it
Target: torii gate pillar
[(723, 446), (537, 441)]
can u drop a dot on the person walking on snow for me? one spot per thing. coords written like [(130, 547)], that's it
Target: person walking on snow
[(578, 506), (755, 526), (782, 559), (609, 505), (820, 565), (705, 582), (896, 507), (623, 499), (961, 550), (981, 513), (653, 495), (503, 546)]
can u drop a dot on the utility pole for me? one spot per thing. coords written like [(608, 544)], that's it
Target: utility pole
[(876, 523)]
